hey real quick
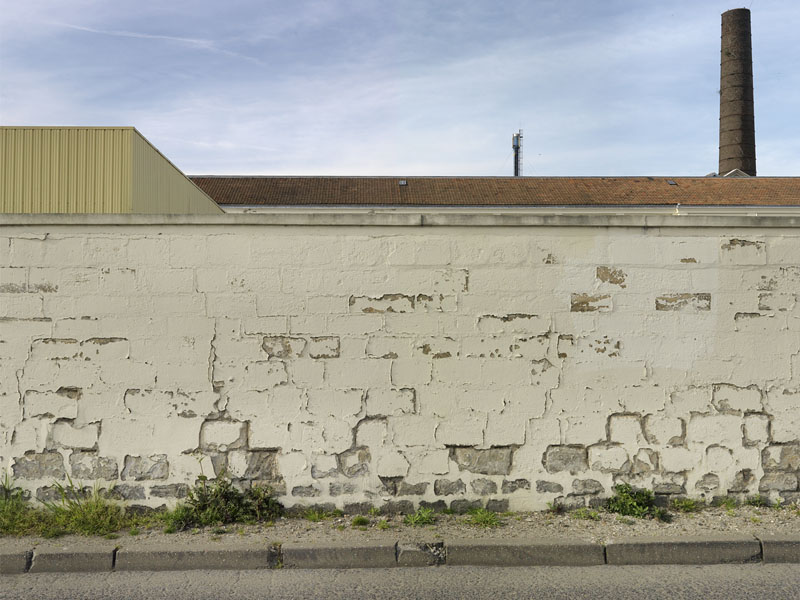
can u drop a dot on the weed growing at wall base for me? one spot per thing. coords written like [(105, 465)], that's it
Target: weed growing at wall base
[(632, 502), (219, 502)]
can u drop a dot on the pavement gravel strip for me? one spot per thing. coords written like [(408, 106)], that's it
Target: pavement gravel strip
[(87, 555)]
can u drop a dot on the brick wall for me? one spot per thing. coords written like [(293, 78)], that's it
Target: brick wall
[(365, 366)]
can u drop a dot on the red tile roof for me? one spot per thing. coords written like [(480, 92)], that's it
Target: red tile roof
[(501, 191)]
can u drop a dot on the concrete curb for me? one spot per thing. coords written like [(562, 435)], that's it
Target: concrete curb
[(16, 558), (710, 550), (524, 553)]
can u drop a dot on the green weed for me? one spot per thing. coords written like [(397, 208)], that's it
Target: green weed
[(632, 502), (384, 524), (219, 502), (359, 521), (758, 501), (585, 514), (556, 508), (423, 516), (480, 517)]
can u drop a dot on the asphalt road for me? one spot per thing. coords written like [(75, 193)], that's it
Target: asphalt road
[(551, 583)]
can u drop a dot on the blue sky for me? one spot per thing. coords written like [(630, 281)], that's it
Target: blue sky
[(338, 87)]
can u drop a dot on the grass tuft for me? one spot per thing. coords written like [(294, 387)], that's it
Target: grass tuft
[(480, 517), (423, 516), (585, 514), (360, 521)]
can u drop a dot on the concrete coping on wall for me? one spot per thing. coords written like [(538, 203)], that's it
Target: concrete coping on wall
[(751, 217)]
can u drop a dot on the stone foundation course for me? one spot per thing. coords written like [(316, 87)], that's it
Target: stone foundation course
[(398, 367)]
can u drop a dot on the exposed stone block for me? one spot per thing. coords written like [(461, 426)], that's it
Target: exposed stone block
[(446, 487), (338, 488), (170, 490), (324, 465), (498, 505), (611, 275), (388, 303), (708, 483), (586, 486), (412, 489), (355, 462), (608, 459), (305, 491), (140, 468), (39, 465), (462, 505), (89, 466), (565, 458), (781, 458), (511, 486), (283, 346), (548, 487), (685, 301), (743, 481), (779, 482), (492, 461), (590, 303), (127, 491)]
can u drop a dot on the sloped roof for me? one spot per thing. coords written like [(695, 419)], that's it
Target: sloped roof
[(501, 191)]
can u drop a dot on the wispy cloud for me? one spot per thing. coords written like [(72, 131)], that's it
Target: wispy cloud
[(202, 44)]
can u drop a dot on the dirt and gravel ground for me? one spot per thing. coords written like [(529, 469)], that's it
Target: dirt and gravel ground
[(742, 520)]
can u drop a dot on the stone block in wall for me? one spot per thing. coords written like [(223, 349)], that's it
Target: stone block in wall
[(733, 398), (504, 429), (39, 465), (514, 323), (549, 487), (283, 346), (324, 347), (170, 490), (391, 464), (337, 403), (362, 374), (782, 405), (781, 458), (725, 430), (587, 486), (446, 487), (626, 429), (739, 251), (412, 430), (581, 302), (511, 486), (663, 430), (90, 466), (412, 489), (354, 462), (324, 465), (756, 429), (387, 303), (140, 468), (572, 458), (491, 461), (462, 430), (778, 482), (59, 404), (264, 375), (684, 302), (370, 432), (410, 372), (743, 481), (434, 462), (222, 435), (390, 402), (65, 434), (483, 486)]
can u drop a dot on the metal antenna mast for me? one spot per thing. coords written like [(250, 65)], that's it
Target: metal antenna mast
[(516, 144)]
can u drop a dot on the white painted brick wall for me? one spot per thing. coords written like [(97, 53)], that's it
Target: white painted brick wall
[(353, 361)]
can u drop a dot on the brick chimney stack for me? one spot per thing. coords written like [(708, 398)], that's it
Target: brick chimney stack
[(737, 137)]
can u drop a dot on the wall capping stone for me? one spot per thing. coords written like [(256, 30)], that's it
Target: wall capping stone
[(713, 216)]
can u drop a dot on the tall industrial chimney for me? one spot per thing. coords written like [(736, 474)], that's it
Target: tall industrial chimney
[(737, 136)]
